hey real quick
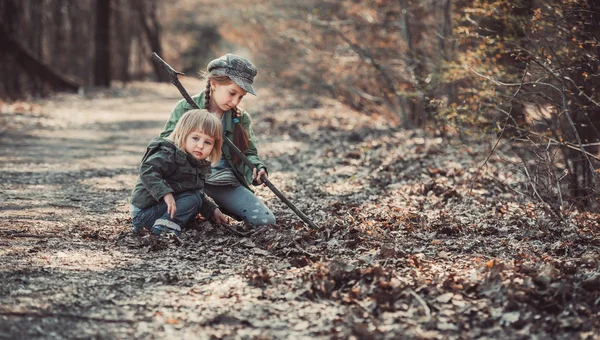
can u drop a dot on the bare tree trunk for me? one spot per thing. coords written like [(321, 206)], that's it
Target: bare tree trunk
[(36, 35), (57, 44), (124, 39), (102, 42), (35, 67), (151, 27), (407, 119), (444, 44), (9, 22)]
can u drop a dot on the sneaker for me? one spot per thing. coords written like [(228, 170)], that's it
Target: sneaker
[(166, 226)]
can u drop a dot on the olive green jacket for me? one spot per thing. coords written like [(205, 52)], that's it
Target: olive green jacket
[(241, 171), (166, 169)]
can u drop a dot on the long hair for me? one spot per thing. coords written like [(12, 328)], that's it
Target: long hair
[(240, 137), (203, 121)]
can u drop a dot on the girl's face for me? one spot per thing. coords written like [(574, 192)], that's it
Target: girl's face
[(226, 97), (199, 144)]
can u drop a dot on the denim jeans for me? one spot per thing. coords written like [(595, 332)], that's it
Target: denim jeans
[(188, 205), (241, 202)]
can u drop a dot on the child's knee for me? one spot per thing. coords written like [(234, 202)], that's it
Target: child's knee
[(260, 218), (192, 199), (197, 199)]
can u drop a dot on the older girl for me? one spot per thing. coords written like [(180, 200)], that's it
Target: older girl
[(229, 79), (170, 188)]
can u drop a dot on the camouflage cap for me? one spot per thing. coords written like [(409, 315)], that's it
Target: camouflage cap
[(238, 69)]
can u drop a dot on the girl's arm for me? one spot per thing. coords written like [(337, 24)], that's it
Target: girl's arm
[(252, 151)]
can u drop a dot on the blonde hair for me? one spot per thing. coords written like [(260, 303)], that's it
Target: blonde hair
[(203, 121)]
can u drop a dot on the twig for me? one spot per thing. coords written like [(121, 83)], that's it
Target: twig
[(532, 183), (566, 110), (572, 124), (581, 93), (506, 186), (555, 142), (421, 301), (553, 175), (300, 250), (499, 137), (303, 251), (233, 230), (549, 206)]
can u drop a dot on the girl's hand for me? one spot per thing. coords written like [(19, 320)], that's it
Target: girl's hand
[(171, 206), (218, 217), (257, 177)]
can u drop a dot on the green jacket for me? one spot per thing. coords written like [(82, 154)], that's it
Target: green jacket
[(166, 169), (241, 171)]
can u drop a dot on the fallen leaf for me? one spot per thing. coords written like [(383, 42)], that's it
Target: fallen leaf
[(445, 326), (302, 325), (510, 318), (445, 298), (172, 321)]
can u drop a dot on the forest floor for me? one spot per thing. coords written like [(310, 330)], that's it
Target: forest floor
[(404, 250)]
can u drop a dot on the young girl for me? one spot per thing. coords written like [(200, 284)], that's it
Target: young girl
[(170, 188), (229, 79)]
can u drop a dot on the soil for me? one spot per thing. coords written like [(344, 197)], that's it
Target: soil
[(408, 245)]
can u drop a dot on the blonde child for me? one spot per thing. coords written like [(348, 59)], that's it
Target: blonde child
[(170, 188)]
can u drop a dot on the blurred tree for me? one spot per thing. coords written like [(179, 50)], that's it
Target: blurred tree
[(124, 21), (147, 10), (530, 65), (466, 66), (54, 45), (35, 72), (380, 57), (102, 44)]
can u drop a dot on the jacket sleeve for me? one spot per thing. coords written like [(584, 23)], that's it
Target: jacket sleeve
[(208, 207), (252, 151), (180, 108), (154, 170)]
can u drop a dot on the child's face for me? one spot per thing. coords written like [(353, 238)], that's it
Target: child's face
[(227, 96), (199, 145)]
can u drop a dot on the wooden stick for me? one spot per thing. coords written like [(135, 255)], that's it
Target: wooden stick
[(175, 81)]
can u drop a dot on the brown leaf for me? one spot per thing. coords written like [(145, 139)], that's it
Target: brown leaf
[(171, 321)]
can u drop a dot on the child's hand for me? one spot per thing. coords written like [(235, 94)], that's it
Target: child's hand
[(218, 217), (257, 177), (171, 206)]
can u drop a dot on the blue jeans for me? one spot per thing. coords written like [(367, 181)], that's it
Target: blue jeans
[(156, 217), (241, 202)]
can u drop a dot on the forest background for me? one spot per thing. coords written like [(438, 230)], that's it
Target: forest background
[(513, 84), (525, 70)]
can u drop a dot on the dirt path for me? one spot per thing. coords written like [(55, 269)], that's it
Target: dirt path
[(403, 251)]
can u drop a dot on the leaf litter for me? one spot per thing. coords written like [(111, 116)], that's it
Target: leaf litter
[(408, 246)]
